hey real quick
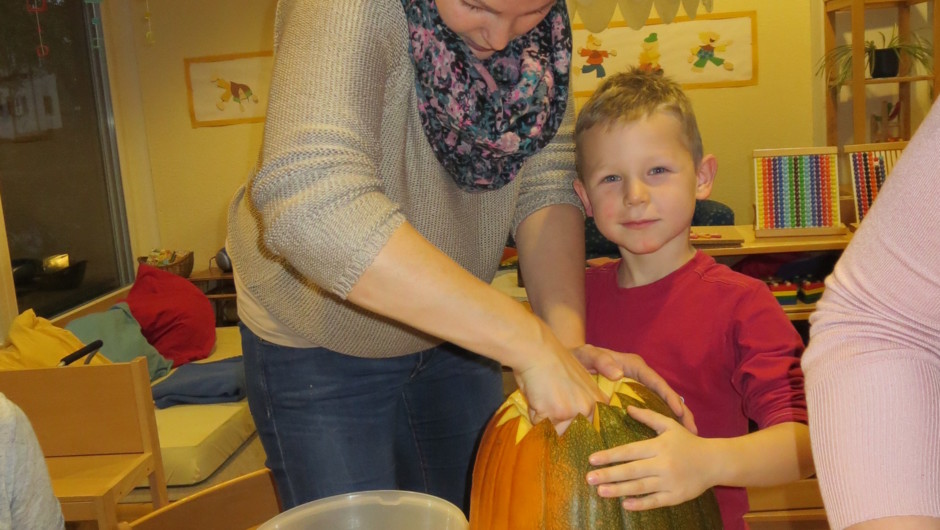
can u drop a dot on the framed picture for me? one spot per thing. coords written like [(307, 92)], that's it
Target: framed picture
[(228, 89), (711, 51)]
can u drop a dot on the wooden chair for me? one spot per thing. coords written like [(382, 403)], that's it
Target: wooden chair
[(237, 504), (97, 430)]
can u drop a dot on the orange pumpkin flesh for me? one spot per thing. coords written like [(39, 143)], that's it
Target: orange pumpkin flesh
[(528, 478)]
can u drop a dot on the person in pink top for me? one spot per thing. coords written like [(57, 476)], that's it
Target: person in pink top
[(718, 337), (873, 361)]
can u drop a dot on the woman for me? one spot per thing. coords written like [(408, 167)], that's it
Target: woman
[(404, 141), (873, 364)]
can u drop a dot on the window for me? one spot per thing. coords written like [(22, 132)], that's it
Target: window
[(60, 186)]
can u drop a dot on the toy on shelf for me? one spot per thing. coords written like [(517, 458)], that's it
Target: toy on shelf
[(785, 292), (870, 164), (725, 236), (810, 290), (797, 192)]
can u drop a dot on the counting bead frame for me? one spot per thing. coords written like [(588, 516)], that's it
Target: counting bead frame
[(869, 165), (796, 192)]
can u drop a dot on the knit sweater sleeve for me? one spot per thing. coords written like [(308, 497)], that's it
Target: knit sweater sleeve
[(316, 192), (872, 366), (26, 496), (548, 176)]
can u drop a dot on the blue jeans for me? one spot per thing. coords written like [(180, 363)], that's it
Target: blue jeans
[(332, 423)]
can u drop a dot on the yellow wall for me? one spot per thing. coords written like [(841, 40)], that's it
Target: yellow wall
[(777, 112), (195, 171)]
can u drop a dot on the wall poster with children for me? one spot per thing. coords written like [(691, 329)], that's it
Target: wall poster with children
[(712, 51)]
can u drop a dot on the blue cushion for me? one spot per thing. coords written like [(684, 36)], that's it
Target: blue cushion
[(121, 338)]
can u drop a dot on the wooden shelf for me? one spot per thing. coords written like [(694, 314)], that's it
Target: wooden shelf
[(859, 79), (834, 6), (799, 310), (902, 79), (774, 245), (219, 288)]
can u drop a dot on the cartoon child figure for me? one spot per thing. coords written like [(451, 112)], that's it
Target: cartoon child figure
[(236, 92), (648, 60), (595, 56), (703, 54)]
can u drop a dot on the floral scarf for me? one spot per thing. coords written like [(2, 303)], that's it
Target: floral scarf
[(484, 118)]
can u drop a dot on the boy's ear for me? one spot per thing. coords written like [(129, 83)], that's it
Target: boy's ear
[(707, 169), (582, 194)]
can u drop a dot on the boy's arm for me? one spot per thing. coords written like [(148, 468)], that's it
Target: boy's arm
[(745, 461)]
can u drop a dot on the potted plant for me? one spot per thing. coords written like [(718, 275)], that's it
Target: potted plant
[(881, 61)]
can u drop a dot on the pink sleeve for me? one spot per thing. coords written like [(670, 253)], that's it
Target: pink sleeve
[(873, 361)]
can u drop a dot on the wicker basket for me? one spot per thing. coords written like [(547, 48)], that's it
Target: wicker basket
[(183, 266)]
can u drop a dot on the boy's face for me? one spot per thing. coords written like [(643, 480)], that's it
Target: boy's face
[(640, 184)]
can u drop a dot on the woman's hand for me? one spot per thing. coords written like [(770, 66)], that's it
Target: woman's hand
[(614, 365), (557, 387), (667, 470)]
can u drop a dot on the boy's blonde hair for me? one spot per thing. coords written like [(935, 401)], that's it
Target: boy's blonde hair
[(629, 96)]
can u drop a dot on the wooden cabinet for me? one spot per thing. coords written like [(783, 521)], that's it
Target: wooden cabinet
[(860, 80), (219, 287)]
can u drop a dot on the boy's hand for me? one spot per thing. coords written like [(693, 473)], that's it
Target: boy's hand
[(613, 365), (667, 470)]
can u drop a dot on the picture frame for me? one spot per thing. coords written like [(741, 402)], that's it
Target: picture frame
[(676, 49), (228, 89)]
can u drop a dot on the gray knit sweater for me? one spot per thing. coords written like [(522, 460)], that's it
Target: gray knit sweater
[(345, 162)]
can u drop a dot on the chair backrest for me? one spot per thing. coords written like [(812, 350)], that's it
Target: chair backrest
[(709, 212), (237, 504), (87, 410)]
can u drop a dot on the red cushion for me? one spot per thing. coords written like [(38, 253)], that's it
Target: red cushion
[(174, 315)]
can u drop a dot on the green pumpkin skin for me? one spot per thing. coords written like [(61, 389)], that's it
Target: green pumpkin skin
[(570, 503)]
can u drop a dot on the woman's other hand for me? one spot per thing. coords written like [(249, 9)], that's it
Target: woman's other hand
[(613, 365), (557, 387)]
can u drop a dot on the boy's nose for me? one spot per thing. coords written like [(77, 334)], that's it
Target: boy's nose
[(635, 193)]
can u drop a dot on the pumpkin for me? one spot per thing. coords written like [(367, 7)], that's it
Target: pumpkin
[(527, 477)]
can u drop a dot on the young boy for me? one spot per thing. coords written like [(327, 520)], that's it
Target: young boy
[(718, 337)]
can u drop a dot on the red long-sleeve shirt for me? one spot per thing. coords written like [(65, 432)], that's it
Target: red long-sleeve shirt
[(718, 337)]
